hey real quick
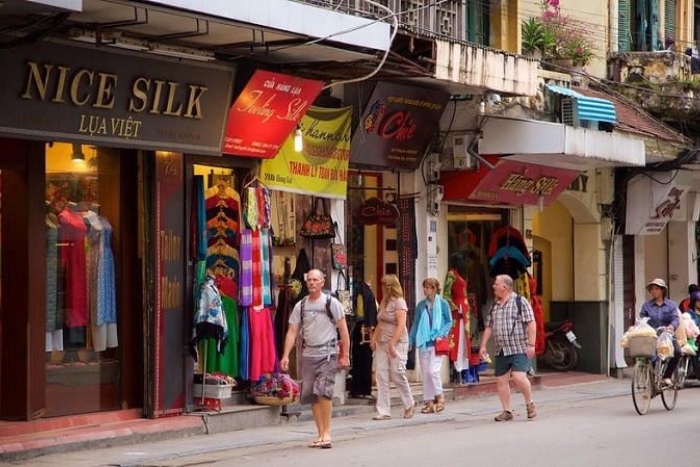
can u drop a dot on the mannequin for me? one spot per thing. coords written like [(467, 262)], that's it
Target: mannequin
[(456, 295)]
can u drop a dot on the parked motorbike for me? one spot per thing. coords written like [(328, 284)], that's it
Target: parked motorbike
[(561, 345)]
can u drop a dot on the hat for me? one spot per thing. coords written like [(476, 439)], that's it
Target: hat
[(658, 282)]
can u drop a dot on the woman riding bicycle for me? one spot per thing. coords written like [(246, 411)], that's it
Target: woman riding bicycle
[(663, 313)]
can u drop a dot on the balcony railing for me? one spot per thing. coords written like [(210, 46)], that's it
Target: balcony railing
[(446, 20)]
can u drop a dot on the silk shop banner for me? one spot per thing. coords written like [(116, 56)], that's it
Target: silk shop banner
[(321, 168), (266, 112), (397, 126)]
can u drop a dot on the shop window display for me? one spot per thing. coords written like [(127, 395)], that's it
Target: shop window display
[(82, 340)]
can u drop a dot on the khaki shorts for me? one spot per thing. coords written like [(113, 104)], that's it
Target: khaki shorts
[(317, 377)]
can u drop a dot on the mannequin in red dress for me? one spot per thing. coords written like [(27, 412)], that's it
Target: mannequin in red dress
[(456, 295)]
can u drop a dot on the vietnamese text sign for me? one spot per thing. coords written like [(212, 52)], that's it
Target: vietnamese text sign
[(322, 166), (266, 112), (654, 201), (100, 96), (397, 125)]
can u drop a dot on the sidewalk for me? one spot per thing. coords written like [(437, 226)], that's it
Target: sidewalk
[(300, 433)]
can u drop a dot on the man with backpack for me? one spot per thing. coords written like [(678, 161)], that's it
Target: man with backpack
[(511, 322), (321, 319)]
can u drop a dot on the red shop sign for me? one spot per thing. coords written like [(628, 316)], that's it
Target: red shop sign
[(266, 112), (509, 182)]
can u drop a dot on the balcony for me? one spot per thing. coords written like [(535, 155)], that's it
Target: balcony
[(663, 83)]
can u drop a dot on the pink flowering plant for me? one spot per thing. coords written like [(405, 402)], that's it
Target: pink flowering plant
[(279, 385), (568, 38)]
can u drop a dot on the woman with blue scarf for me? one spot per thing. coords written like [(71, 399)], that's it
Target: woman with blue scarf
[(432, 319)]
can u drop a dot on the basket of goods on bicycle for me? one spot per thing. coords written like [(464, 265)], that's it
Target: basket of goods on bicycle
[(652, 343)]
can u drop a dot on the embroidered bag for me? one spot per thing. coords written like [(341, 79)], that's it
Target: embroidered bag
[(343, 295), (318, 224), (338, 257)]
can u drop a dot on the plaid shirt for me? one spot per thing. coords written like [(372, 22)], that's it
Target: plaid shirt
[(510, 337)]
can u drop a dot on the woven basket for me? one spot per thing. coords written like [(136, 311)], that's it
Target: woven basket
[(272, 400), (642, 346)]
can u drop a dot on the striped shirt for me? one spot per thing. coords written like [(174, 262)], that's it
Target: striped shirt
[(508, 329)]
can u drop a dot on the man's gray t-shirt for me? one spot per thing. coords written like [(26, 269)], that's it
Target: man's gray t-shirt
[(318, 329)]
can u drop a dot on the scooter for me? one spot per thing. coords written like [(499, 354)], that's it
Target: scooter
[(561, 352)]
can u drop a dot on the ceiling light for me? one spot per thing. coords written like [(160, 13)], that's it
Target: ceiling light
[(78, 156), (182, 52)]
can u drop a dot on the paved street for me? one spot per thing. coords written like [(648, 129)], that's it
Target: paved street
[(590, 425)]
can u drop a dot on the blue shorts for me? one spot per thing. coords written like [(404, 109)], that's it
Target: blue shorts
[(517, 362)]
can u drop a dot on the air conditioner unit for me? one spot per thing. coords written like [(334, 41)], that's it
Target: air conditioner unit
[(461, 159)]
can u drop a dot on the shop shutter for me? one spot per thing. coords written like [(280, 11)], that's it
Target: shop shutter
[(669, 20), (624, 35)]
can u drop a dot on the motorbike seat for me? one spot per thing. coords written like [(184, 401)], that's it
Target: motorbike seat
[(553, 325)]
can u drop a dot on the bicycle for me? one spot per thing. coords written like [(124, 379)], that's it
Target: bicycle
[(647, 383)]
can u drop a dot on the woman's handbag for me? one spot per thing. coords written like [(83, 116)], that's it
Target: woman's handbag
[(318, 224), (442, 346), (343, 295), (338, 257)]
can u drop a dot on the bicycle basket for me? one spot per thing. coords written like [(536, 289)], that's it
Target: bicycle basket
[(642, 346)]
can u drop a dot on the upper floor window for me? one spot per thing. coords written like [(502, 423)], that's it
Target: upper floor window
[(477, 21), (639, 25)]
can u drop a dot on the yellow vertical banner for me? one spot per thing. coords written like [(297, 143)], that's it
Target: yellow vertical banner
[(321, 168)]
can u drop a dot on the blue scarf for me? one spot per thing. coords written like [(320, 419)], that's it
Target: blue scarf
[(426, 334)]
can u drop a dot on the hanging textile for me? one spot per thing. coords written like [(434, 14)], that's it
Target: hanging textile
[(223, 225), (365, 305), (246, 272), (198, 221), (263, 356), (538, 310), (408, 252), (209, 320), (245, 345), (227, 361)]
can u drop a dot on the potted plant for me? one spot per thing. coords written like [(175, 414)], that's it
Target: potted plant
[(537, 39)]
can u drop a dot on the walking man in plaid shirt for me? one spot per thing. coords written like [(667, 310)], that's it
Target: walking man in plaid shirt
[(513, 328)]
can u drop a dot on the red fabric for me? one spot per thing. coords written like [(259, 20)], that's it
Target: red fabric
[(262, 343), (72, 236), (257, 270), (227, 287), (458, 295), (537, 308), (515, 238)]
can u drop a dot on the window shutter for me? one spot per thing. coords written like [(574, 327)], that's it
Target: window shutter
[(669, 20), (624, 35), (656, 43)]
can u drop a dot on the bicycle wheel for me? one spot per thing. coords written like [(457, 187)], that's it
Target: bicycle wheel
[(669, 394), (642, 387), (682, 371)]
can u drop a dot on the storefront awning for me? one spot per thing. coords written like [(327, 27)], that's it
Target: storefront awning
[(508, 182), (558, 145), (588, 108)]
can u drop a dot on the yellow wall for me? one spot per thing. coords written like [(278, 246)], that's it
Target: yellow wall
[(554, 225), (60, 160)]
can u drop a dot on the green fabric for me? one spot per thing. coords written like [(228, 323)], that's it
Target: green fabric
[(228, 361)]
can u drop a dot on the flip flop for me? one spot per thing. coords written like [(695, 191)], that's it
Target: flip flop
[(326, 444), (316, 443), (381, 417)]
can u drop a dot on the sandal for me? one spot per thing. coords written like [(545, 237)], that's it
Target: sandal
[(316, 443), (381, 417), (408, 413), (429, 408), (439, 406), (326, 444)]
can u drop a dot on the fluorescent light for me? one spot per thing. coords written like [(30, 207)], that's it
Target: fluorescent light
[(182, 52), (113, 39)]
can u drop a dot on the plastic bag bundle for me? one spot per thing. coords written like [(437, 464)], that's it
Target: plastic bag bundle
[(640, 329), (664, 345)]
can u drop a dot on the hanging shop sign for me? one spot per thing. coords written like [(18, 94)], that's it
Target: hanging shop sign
[(99, 96), (509, 182), (375, 211), (266, 112), (654, 200), (170, 314), (321, 167), (397, 126)]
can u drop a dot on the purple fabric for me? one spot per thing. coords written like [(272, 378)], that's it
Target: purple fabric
[(246, 278)]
